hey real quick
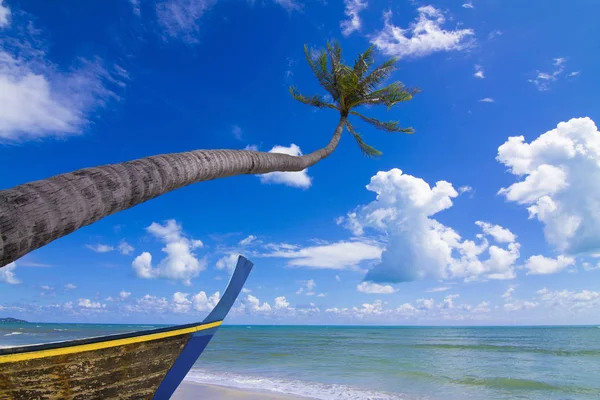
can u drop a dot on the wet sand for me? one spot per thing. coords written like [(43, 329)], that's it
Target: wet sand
[(195, 391)]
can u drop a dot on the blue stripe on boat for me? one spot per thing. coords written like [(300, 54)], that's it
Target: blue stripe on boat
[(198, 342)]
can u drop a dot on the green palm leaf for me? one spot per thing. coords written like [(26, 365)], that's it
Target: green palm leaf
[(367, 150), (391, 126)]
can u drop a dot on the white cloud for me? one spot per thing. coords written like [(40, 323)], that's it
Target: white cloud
[(4, 15), (251, 304), (479, 72), (70, 286), (281, 302), (518, 305), (494, 34), (340, 255), (352, 10), (423, 37), (125, 248), (149, 304), (468, 5), (180, 262), (181, 304), (227, 262), (574, 73), (251, 147), (425, 304), (299, 179), (487, 100), (571, 300), (179, 18), (87, 303), (236, 131), (559, 174), (246, 290), (374, 288), (289, 5), (543, 80), (500, 234), (509, 292), (437, 289), (135, 5), (124, 295), (419, 246), (247, 241), (202, 302), (7, 274), (540, 265), (100, 248), (307, 288), (38, 99), (46, 288)]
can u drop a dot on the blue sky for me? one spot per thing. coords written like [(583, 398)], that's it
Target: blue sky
[(487, 215)]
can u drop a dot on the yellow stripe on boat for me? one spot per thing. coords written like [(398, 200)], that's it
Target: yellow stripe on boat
[(103, 345)]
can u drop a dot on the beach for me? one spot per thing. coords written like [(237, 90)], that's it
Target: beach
[(196, 391)]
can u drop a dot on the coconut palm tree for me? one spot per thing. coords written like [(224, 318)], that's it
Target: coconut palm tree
[(36, 213)]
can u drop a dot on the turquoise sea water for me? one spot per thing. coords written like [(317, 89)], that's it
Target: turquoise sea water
[(541, 363)]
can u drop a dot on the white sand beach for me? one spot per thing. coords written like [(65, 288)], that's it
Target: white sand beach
[(196, 391)]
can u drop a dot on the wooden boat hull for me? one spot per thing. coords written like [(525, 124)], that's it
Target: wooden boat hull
[(139, 365)]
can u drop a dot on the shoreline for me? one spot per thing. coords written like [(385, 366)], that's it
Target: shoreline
[(189, 390)]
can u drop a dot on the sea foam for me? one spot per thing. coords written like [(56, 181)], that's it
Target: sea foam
[(314, 390)]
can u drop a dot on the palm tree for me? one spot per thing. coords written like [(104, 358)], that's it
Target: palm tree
[(36, 213)]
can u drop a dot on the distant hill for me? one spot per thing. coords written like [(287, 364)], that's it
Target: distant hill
[(12, 321)]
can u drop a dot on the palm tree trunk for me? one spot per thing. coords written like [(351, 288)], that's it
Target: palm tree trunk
[(36, 213)]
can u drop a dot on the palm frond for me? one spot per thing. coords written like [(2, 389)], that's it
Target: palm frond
[(378, 75), (391, 126), (389, 96), (367, 150), (315, 101), (364, 62), (318, 65)]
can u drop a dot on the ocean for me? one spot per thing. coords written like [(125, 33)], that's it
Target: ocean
[(382, 363)]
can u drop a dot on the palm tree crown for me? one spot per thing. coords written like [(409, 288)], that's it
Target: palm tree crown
[(351, 87)]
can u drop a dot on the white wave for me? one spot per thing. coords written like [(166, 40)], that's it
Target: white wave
[(312, 390), (14, 333)]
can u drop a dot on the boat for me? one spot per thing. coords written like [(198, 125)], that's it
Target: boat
[(140, 365)]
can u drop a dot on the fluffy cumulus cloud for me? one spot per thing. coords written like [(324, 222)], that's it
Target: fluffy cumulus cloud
[(479, 72), (7, 274), (374, 288), (298, 179), (39, 99), (203, 302), (339, 255), (87, 303), (540, 265), (180, 262), (422, 37), (352, 10), (418, 246), (227, 262), (559, 183)]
